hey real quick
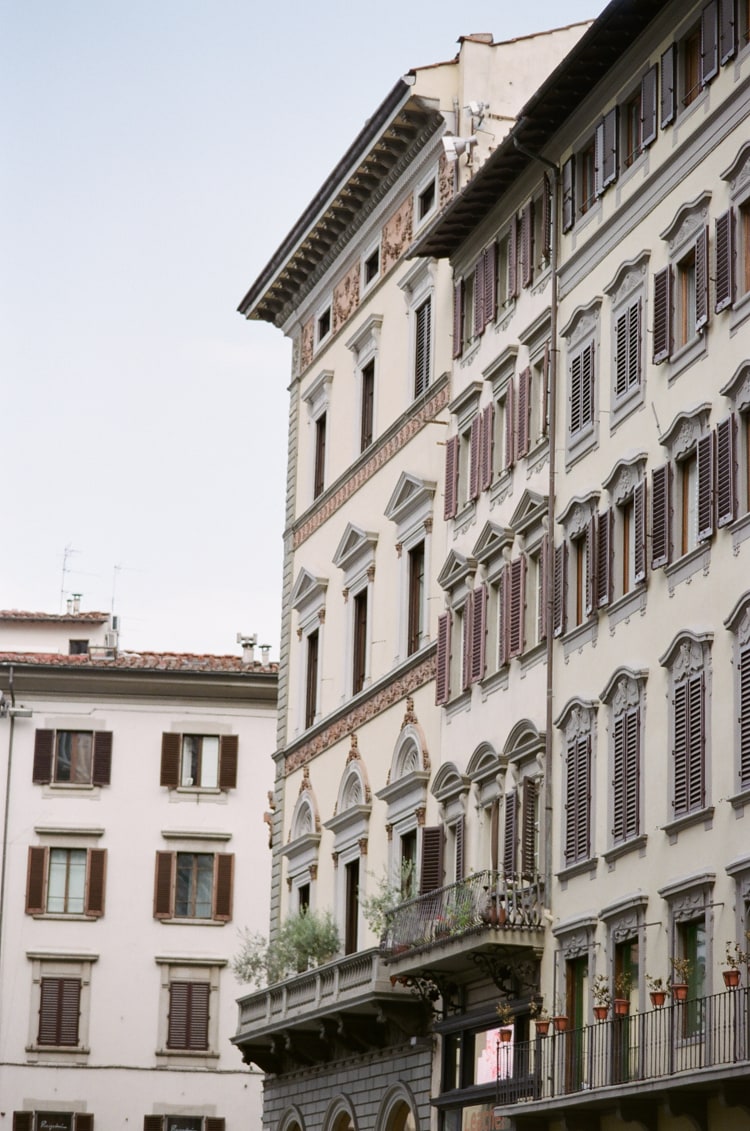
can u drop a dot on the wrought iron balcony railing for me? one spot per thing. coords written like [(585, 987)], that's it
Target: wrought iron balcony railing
[(680, 1039), (506, 902)]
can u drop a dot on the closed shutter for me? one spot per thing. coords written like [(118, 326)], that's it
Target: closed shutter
[(662, 315), (668, 85), (223, 885), (744, 719), (479, 318), (529, 836), (95, 881), (661, 525), (489, 260), (510, 834), (214, 1123), (510, 430), (559, 586), (577, 799), (701, 279), (591, 558), (451, 478), (516, 576), (709, 41), (568, 194), (639, 521), (604, 544), (575, 394), (478, 633), (36, 881), (458, 318), (688, 745), (102, 767), (488, 429), (83, 1121), (228, 757), (23, 1121), (513, 259), (621, 355), (524, 411), (474, 457), (458, 833), (606, 156), (726, 471), (494, 827), (527, 244), (171, 744), (724, 260), (626, 768), (188, 1015), (443, 662), (164, 885), (705, 461), (59, 1009), (423, 338), (634, 344), (503, 588), (466, 641), (153, 1122), (727, 31), (431, 868), (649, 84), (582, 389), (546, 219), (696, 776), (44, 748)]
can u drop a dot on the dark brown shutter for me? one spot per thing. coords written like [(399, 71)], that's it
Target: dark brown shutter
[(701, 279), (223, 885), (478, 633), (515, 578), (528, 839), (559, 586), (23, 1121), (724, 260), (744, 720), (488, 429), (510, 430), (649, 84), (95, 881), (621, 355), (513, 259), (153, 1122), (450, 505), (668, 85), (474, 457), (44, 748), (726, 471), (228, 756), (546, 219), (188, 1015), (59, 1010), (662, 315), (431, 869), (577, 799), (688, 745), (568, 194), (628, 349), (606, 150), (727, 30), (458, 832), (527, 244), (170, 760), (524, 411), (709, 41), (705, 462), (479, 318), (591, 562), (541, 628), (661, 524), (214, 1123), (164, 885), (102, 768), (83, 1121), (510, 833), (503, 589), (494, 825), (443, 662), (458, 318), (545, 389), (604, 545), (582, 388), (423, 341), (467, 637), (36, 881), (639, 522), (626, 768), (489, 261)]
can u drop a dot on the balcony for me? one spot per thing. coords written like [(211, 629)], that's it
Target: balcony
[(349, 1003), (683, 1053)]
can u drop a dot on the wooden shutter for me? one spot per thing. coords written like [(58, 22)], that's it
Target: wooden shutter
[(443, 662), (96, 872), (727, 31), (662, 315), (44, 749), (568, 194), (478, 633), (513, 259), (153, 1122), (479, 318), (83, 1121), (545, 389), (431, 865), (474, 457), (23, 1121), (668, 85), (36, 881), (515, 577), (228, 758), (541, 627), (709, 41), (59, 1010), (575, 394), (503, 588), (102, 767), (607, 150), (528, 837), (489, 262), (223, 885), (458, 833), (726, 471), (688, 745), (724, 260), (744, 719), (188, 1015), (450, 505), (510, 833), (604, 545), (634, 344), (171, 745), (701, 279), (458, 318), (705, 462), (510, 431), (577, 799), (487, 432), (466, 640), (423, 340), (527, 244), (639, 522), (661, 524), (621, 355), (626, 784), (546, 249), (164, 885), (591, 563), (628, 349), (649, 84), (559, 587), (494, 825), (524, 411), (582, 388), (214, 1123)]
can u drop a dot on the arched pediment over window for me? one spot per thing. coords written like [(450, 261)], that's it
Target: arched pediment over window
[(351, 817), (486, 770), (406, 789), (302, 846), (524, 741)]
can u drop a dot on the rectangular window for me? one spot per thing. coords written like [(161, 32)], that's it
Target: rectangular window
[(685, 296), (66, 884), (687, 499), (371, 267), (415, 612), (582, 389), (426, 200), (193, 885), (359, 657), (188, 1015), (324, 324), (690, 54), (368, 405), (195, 881), (320, 456), (691, 944), (311, 678), (578, 799), (351, 906), (78, 647), (632, 135), (689, 745), (587, 177), (59, 1012), (65, 881), (626, 775), (422, 347), (200, 761), (628, 349)]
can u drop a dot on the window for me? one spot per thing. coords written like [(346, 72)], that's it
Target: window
[(311, 678), (733, 237), (59, 1010), (78, 647), (426, 200), (351, 906), (582, 385), (621, 533), (199, 761), (582, 337), (577, 724), (182, 1123), (323, 325), (367, 417), (188, 1009), (691, 942), (188, 1015), (72, 757), (319, 466), (690, 71), (587, 177), (521, 830), (415, 615), (738, 624), (359, 648), (681, 289), (66, 881), (683, 502), (535, 628), (624, 696), (193, 885), (52, 1121), (687, 662), (422, 346), (574, 579), (443, 662), (371, 267)]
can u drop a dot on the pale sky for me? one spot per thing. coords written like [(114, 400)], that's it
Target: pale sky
[(154, 154)]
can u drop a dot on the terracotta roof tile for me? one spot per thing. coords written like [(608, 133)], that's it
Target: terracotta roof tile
[(141, 661), (52, 618)]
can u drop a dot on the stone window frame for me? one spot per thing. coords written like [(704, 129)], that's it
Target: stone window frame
[(318, 401), (523, 754), (183, 968), (576, 938), (578, 522), (500, 376), (737, 392), (536, 339), (626, 479), (350, 826), (625, 919), (405, 794), (456, 579), (410, 508), (492, 552), (364, 346), (451, 788), (395, 1096), (689, 654), (688, 228), (308, 600), (486, 771), (466, 444), (56, 963), (681, 441), (302, 848), (689, 898), (418, 286), (355, 557)]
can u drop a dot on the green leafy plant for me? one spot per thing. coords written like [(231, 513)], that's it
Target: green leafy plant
[(601, 991), (657, 985), (623, 984), (504, 1013), (305, 940), (680, 969), (388, 895), (537, 1010), (735, 956)]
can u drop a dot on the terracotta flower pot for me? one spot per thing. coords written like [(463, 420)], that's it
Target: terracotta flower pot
[(506, 1035), (679, 991), (731, 978), (542, 1027), (622, 1006), (600, 1012), (561, 1023), (658, 997)]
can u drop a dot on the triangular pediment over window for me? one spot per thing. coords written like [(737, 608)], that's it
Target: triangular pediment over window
[(356, 545), (411, 499), (529, 512), (308, 590), (492, 541), (455, 569)]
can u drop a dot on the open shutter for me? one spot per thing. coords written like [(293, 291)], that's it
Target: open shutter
[(705, 461), (591, 563), (639, 521), (527, 244), (44, 747), (510, 836), (458, 318), (83, 1121), (515, 577), (606, 157), (604, 543), (228, 757), (701, 279), (744, 719), (726, 471), (479, 317), (223, 885), (545, 388), (36, 881), (546, 249), (724, 260), (214, 1123), (709, 41), (474, 456), (23, 1121), (443, 662), (431, 869), (153, 1122), (649, 84), (513, 259), (489, 262), (524, 411), (102, 767), (510, 430), (171, 745), (661, 525), (503, 588), (164, 885), (727, 30), (95, 881), (541, 627), (478, 633), (662, 315), (528, 839), (559, 586), (451, 478), (494, 828), (668, 85), (487, 431), (458, 832), (568, 194), (466, 641)]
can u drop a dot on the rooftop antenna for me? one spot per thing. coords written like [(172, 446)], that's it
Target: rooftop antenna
[(65, 570)]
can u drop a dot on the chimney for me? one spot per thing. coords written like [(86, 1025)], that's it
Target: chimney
[(248, 647), (265, 650), (76, 603)]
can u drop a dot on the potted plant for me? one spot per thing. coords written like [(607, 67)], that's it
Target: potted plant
[(541, 1017), (602, 996), (506, 1022), (678, 982), (559, 1017), (386, 898), (304, 940), (623, 986), (734, 958), (658, 990)]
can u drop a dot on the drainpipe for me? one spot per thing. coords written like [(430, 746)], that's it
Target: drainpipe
[(6, 814)]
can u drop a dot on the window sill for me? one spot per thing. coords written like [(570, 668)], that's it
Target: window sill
[(688, 565), (624, 607), (740, 800), (740, 531), (636, 844), (469, 352), (57, 1052), (623, 406), (581, 868), (697, 817), (538, 455), (504, 315), (497, 681), (579, 445), (73, 787), (175, 922), (188, 1054), (740, 312), (459, 703), (464, 518), (593, 214), (578, 637), (65, 917), (684, 357), (532, 656), (502, 487)]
